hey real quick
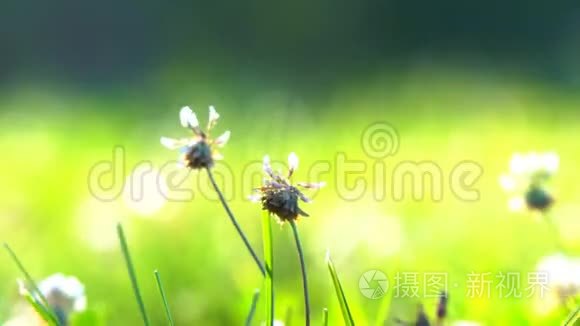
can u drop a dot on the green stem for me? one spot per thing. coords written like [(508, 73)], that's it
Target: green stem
[(303, 270), (269, 261), (235, 223), (325, 317), (132, 275), (163, 297), (255, 298), (555, 232)]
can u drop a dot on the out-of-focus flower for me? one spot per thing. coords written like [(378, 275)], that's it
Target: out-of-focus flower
[(64, 295), (278, 195), (199, 151), (563, 277), (64, 292), (527, 178)]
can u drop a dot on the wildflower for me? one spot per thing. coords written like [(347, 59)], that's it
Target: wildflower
[(64, 295), (279, 196), (527, 179), (563, 277), (198, 151)]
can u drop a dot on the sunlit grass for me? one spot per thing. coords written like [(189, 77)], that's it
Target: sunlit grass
[(440, 117)]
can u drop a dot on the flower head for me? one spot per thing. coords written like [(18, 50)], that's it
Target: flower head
[(199, 151), (527, 179), (64, 294), (560, 276), (279, 196)]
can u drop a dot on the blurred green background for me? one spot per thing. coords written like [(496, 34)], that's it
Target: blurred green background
[(459, 81)]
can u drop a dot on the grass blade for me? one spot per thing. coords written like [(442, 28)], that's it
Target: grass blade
[(269, 267), (346, 315), (40, 304), (132, 274), (303, 270), (572, 318), (324, 317), (44, 313), (252, 311), (163, 297)]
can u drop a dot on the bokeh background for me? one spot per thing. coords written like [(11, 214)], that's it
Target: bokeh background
[(458, 80)]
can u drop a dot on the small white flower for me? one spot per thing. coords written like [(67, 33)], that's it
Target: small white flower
[(527, 179), (563, 272), (66, 292), (200, 150)]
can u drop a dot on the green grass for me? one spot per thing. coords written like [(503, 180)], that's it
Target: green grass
[(50, 140), (340, 296), (163, 297), (132, 274)]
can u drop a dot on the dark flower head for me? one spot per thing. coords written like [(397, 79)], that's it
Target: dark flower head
[(279, 196), (537, 198), (199, 151)]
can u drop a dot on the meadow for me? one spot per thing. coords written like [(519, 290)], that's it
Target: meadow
[(53, 137)]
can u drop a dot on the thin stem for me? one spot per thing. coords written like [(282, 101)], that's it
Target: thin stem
[(325, 317), (555, 232), (163, 297), (303, 269), (132, 274), (255, 298), (269, 261), (235, 223)]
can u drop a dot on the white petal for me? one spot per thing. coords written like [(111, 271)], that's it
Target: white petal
[(223, 139), (519, 164), (266, 163), (507, 182), (255, 198), (516, 204), (170, 142), (535, 163), (551, 162), (292, 161), (312, 185), (185, 115), (213, 115)]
